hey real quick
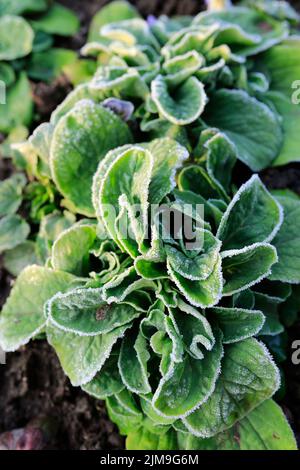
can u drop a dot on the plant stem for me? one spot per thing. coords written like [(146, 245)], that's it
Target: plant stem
[(214, 5)]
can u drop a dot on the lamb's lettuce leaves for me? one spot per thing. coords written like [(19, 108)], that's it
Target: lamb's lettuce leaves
[(250, 124), (282, 64), (248, 30), (287, 242), (108, 381), (80, 140), (16, 37), (264, 428), (116, 11), (143, 439), (127, 196), (188, 383), (249, 376), (71, 250), (133, 363), (83, 311), (182, 105), (11, 194), (22, 316), (58, 20), (13, 231), (19, 105), (18, 258), (246, 267), (82, 357), (204, 293), (253, 216), (237, 323)]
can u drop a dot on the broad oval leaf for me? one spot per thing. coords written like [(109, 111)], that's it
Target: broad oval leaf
[(83, 311), (287, 242), (246, 267), (13, 231), (80, 140), (249, 376), (264, 428), (82, 357), (237, 323), (204, 293), (22, 316), (253, 216), (11, 193), (16, 37), (251, 125), (188, 383)]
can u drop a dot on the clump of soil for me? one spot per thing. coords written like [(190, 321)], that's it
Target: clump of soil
[(33, 386), (47, 97)]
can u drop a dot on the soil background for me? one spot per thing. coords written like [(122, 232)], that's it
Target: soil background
[(32, 383)]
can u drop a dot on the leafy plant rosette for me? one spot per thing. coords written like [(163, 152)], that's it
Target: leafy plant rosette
[(28, 30), (168, 327)]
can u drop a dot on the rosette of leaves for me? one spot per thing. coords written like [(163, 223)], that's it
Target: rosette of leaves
[(169, 336), (28, 30), (223, 69)]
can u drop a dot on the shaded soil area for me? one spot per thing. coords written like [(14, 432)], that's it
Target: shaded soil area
[(32, 383), (34, 387)]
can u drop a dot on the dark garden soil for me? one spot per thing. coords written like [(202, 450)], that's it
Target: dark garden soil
[(33, 388)]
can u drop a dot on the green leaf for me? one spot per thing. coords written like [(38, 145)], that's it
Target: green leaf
[(287, 242), (83, 311), (237, 323), (205, 293), (15, 7), (188, 383), (22, 316), (133, 363), (249, 31), (253, 216), (142, 439), (194, 329), (199, 267), (20, 257), (196, 179), (19, 105), (127, 418), (11, 193), (48, 65), (13, 231), (264, 428), (7, 74), (71, 250), (220, 159), (126, 195), (115, 11), (251, 125), (58, 20), (179, 68), (107, 382), (269, 308), (16, 37), (249, 376), (51, 226), (282, 64), (80, 140), (182, 105), (168, 156), (81, 357), (246, 267)]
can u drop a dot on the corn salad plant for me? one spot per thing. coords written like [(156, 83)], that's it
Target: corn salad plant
[(171, 323)]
